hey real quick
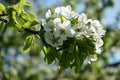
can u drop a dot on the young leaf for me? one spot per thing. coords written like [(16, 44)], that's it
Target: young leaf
[(79, 58), (67, 56), (41, 34), (74, 21), (85, 43), (30, 23), (19, 6), (66, 59), (31, 15), (1, 24), (90, 46), (28, 16), (11, 16), (28, 42), (19, 21), (50, 54), (2, 8)]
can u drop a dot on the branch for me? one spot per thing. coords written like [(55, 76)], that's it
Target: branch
[(112, 65), (3, 14), (31, 31), (4, 20)]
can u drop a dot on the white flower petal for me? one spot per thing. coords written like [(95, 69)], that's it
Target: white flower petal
[(82, 18), (48, 14), (57, 21), (66, 23)]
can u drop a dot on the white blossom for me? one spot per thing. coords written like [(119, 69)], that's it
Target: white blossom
[(56, 21), (91, 58), (81, 28), (82, 19), (48, 26), (64, 30), (65, 11), (63, 22), (52, 40), (48, 14), (99, 28)]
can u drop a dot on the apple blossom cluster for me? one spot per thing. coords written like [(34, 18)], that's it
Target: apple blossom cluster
[(63, 23)]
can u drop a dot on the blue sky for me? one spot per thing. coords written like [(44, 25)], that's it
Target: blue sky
[(115, 57), (110, 13)]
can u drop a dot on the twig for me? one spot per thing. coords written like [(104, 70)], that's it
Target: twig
[(4, 20), (3, 14), (31, 31)]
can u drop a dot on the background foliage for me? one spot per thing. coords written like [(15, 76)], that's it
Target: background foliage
[(16, 64)]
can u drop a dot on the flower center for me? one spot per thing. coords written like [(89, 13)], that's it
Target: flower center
[(55, 40), (52, 27), (62, 31), (88, 23), (78, 30)]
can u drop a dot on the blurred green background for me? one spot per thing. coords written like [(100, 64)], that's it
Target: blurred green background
[(18, 65)]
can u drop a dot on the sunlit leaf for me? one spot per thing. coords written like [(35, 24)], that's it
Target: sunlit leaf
[(1, 24), (28, 42), (31, 15), (66, 59), (50, 54), (79, 58), (11, 16), (2, 8), (19, 6), (30, 23)]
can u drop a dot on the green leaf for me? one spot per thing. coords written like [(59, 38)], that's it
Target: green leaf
[(90, 46), (28, 16), (18, 27), (66, 59), (79, 58), (30, 23), (67, 55), (27, 24), (33, 23), (2, 8), (41, 34), (87, 46), (19, 6), (74, 21), (31, 15), (1, 24), (11, 16), (28, 42), (84, 48), (68, 42), (50, 54), (24, 16), (19, 21)]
